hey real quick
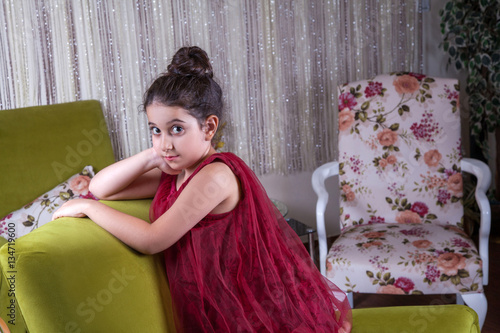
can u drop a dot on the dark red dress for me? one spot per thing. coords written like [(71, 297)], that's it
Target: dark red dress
[(246, 270)]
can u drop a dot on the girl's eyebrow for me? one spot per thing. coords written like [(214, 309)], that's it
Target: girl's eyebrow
[(170, 122), (175, 121)]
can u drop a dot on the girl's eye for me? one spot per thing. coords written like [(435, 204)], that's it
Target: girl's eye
[(155, 130), (176, 129)]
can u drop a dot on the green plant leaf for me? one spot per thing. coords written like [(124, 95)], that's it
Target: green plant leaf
[(495, 58), (394, 127), (452, 51), (459, 41)]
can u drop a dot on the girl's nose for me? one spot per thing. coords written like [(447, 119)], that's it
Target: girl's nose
[(166, 144)]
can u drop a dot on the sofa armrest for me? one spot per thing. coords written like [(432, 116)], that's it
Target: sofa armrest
[(71, 275)]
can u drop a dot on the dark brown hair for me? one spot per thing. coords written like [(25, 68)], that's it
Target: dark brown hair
[(189, 84)]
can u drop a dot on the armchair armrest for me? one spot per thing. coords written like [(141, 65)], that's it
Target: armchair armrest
[(483, 174), (71, 274), (318, 183)]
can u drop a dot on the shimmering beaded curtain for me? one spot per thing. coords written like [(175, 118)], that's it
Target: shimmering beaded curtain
[(277, 61)]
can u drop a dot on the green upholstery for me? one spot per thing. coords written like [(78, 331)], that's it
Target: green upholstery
[(430, 318), (72, 276), (62, 268), (42, 146)]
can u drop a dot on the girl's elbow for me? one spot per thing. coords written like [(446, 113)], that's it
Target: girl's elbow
[(154, 246), (97, 191), (149, 250)]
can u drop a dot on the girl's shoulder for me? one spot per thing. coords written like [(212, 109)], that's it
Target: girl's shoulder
[(217, 170)]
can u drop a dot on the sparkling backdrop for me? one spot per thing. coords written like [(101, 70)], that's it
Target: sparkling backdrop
[(278, 62)]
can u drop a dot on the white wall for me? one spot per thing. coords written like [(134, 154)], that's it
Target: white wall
[(297, 193), (296, 190)]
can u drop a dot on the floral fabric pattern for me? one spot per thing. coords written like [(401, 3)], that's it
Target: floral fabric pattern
[(39, 211), (400, 150), (401, 189), (405, 259)]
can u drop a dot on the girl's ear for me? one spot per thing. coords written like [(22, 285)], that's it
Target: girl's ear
[(210, 128)]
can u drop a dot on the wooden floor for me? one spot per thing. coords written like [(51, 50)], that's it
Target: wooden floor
[(492, 290)]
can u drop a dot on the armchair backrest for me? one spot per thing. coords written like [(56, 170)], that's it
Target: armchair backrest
[(42, 146), (400, 151)]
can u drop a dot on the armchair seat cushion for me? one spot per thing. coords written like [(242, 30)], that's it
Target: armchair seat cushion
[(405, 259)]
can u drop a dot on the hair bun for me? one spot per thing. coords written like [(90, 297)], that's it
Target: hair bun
[(191, 61)]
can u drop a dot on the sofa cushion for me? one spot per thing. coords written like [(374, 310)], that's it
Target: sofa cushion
[(39, 211)]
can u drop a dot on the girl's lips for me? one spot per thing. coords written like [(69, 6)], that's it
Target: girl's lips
[(170, 158)]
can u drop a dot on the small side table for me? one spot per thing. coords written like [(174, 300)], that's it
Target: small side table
[(301, 229)]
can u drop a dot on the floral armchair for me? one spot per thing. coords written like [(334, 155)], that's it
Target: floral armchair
[(400, 174)]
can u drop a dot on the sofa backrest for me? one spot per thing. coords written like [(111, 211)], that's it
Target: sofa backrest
[(42, 146)]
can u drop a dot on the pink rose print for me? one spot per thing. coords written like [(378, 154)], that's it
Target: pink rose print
[(407, 216), (406, 84), (89, 195), (451, 95), (421, 243), (390, 289), (432, 273), (346, 188), (432, 158), (80, 185), (383, 163), (449, 263), (404, 283), (387, 137), (329, 266), (443, 196), (416, 231), (374, 234), (457, 242), (347, 100), (427, 129), (420, 208), (376, 219), (418, 76), (370, 244), (346, 119), (350, 196), (373, 89), (391, 159), (455, 184), (6, 217)]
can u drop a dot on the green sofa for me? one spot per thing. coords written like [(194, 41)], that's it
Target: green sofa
[(71, 276)]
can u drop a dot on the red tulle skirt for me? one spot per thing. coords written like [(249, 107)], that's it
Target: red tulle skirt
[(246, 270)]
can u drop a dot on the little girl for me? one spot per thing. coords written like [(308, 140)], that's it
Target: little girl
[(233, 263)]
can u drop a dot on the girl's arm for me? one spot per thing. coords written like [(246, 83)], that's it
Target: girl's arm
[(136, 177), (215, 189)]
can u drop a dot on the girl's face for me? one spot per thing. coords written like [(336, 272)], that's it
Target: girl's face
[(178, 137)]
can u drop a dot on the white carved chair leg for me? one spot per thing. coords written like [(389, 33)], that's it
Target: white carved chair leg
[(350, 298), (478, 303)]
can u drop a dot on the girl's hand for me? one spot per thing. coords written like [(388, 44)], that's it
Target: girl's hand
[(161, 163), (73, 208)]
